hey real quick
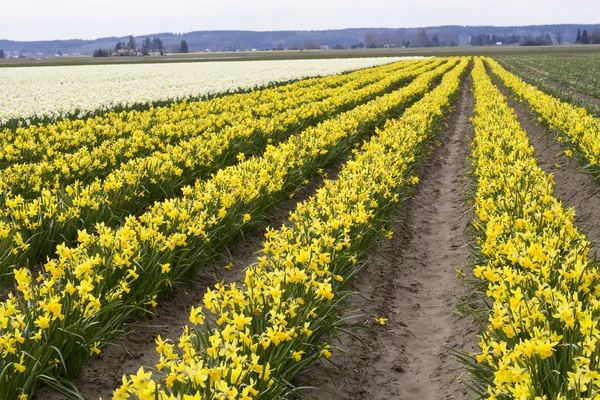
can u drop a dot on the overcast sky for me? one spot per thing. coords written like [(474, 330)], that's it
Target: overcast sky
[(89, 19)]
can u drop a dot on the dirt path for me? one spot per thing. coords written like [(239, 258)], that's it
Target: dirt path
[(137, 349), (412, 281), (574, 187)]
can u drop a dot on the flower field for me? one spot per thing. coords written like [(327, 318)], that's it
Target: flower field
[(41, 93), (105, 220)]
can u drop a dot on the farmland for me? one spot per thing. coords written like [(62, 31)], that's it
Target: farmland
[(348, 228), (50, 93)]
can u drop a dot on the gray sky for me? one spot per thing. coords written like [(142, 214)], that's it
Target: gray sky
[(89, 19)]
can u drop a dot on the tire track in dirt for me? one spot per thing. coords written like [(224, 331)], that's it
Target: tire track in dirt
[(137, 348), (411, 280), (574, 186)]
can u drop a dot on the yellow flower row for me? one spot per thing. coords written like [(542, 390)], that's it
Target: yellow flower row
[(261, 336), (29, 230), (79, 301), (44, 141), (541, 340), (148, 136), (575, 124)]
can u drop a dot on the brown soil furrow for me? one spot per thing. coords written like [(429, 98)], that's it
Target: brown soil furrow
[(137, 348), (574, 186), (411, 280)]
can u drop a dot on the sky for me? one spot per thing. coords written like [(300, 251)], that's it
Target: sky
[(90, 19)]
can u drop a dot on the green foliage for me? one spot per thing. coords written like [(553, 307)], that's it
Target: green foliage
[(101, 53), (183, 47)]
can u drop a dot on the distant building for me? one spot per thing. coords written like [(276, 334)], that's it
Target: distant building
[(126, 52), (325, 47)]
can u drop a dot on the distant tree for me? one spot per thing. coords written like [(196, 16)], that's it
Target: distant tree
[(407, 44), (119, 46), (279, 47), (370, 42), (435, 41), (339, 47), (595, 36), (183, 47), (360, 45), (131, 45), (311, 46), (584, 37), (422, 40), (559, 37), (578, 39), (146, 45), (157, 44), (101, 53), (2, 54), (542, 40)]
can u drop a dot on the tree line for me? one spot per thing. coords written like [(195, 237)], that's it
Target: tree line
[(584, 38), (420, 39), (130, 47), (540, 40), (523, 40)]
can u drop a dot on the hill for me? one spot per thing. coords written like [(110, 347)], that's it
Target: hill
[(248, 40)]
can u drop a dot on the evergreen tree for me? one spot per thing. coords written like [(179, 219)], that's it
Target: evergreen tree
[(147, 45), (100, 53), (578, 39), (131, 45), (2, 54), (183, 47), (584, 37), (157, 44)]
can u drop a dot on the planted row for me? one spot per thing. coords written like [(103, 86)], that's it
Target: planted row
[(541, 338), (150, 132), (575, 126), (33, 228), (80, 300), (252, 341), (41, 94), (43, 141)]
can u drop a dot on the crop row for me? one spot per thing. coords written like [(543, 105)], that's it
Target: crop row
[(164, 125), (579, 74), (259, 337), (541, 338), (549, 87), (31, 95), (80, 300), (33, 228), (575, 126), (87, 164)]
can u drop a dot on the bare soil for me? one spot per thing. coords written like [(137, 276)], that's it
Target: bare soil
[(411, 280)]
